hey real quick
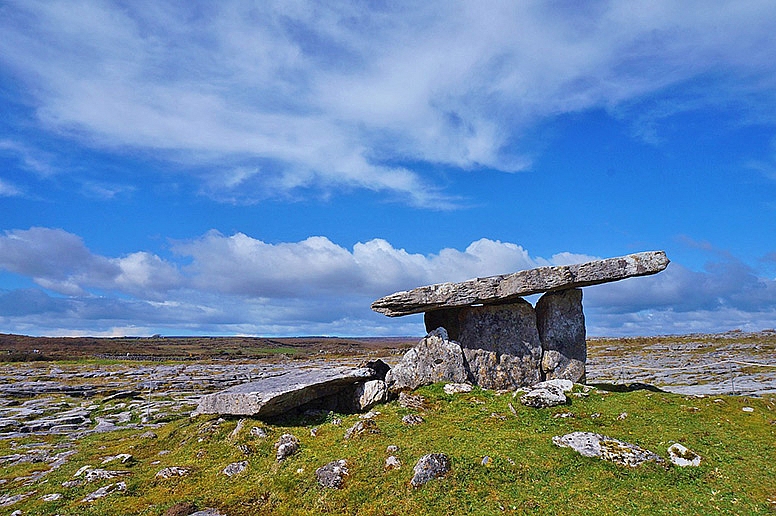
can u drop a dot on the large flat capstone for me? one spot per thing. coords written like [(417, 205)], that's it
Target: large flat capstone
[(509, 287), (286, 391)]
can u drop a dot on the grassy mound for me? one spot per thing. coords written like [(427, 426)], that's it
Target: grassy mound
[(525, 473)]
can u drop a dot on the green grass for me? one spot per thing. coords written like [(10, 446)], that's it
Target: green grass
[(528, 474)]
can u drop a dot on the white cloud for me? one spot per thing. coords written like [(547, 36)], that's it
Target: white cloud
[(241, 285), (309, 95)]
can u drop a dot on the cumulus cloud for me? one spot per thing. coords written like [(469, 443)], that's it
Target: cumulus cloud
[(238, 284), (277, 96)]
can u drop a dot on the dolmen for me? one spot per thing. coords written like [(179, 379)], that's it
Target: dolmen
[(480, 332), (484, 332)]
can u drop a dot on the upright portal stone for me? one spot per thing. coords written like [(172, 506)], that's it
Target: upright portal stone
[(500, 342), (561, 326)]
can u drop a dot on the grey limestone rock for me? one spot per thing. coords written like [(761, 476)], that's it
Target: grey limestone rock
[(434, 359), (235, 468), (500, 342), (561, 325), (548, 395), (285, 391), (333, 474), (362, 427), (589, 444), (105, 491), (368, 394), (172, 472), (286, 446), (505, 288), (681, 456), (428, 467)]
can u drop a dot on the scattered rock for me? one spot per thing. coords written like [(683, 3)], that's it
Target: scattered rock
[(286, 446), (589, 444), (105, 491), (364, 426), (486, 461), (121, 457), (434, 359), (561, 325), (622, 416), (53, 497), (207, 512), (392, 463), (747, 409), (412, 419), (237, 429), (392, 448), (105, 426), (681, 456), (148, 435), (433, 465), (559, 383), (332, 474), (545, 396), (235, 468), (7, 500), (172, 472), (258, 432), (370, 415), (455, 388)]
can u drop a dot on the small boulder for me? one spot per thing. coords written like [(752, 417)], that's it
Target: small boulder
[(545, 396), (681, 456), (171, 472), (286, 446), (105, 491), (433, 465), (589, 444), (332, 475), (368, 394), (258, 432), (412, 419), (434, 359), (392, 463), (364, 426), (235, 468), (456, 388)]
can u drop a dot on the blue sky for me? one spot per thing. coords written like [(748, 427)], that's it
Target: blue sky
[(271, 168)]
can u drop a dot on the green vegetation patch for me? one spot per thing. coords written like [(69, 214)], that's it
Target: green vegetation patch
[(524, 473)]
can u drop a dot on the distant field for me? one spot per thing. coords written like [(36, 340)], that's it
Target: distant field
[(23, 348)]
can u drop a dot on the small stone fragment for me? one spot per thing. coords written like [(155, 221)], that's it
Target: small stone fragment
[(53, 497), (105, 491), (486, 461), (681, 456), (392, 463), (747, 409), (314, 431), (455, 388), (286, 446), (622, 416), (237, 429), (543, 397), (433, 465), (332, 474), (412, 419), (6, 500), (258, 432), (172, 471), (121, 457), (364, 426), (148, 435), (392, 448), (235, 467)]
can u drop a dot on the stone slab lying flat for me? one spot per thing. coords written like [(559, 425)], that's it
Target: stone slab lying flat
[(286, 391), (508, 287)]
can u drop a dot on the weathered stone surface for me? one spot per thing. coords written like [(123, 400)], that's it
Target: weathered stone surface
[(286, 446), (589, 444), (561, 325), (500, 342), (172, 472), (434, 359), (286, 391), (368, 394), (508, 287), (235, 468), (105, 491), (362, 427), (681, 456), (333, 474), (433, 465), (543, 396), (457, 388)]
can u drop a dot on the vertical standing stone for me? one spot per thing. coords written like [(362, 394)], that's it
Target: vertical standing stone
[(500, 342), (561, 326)]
